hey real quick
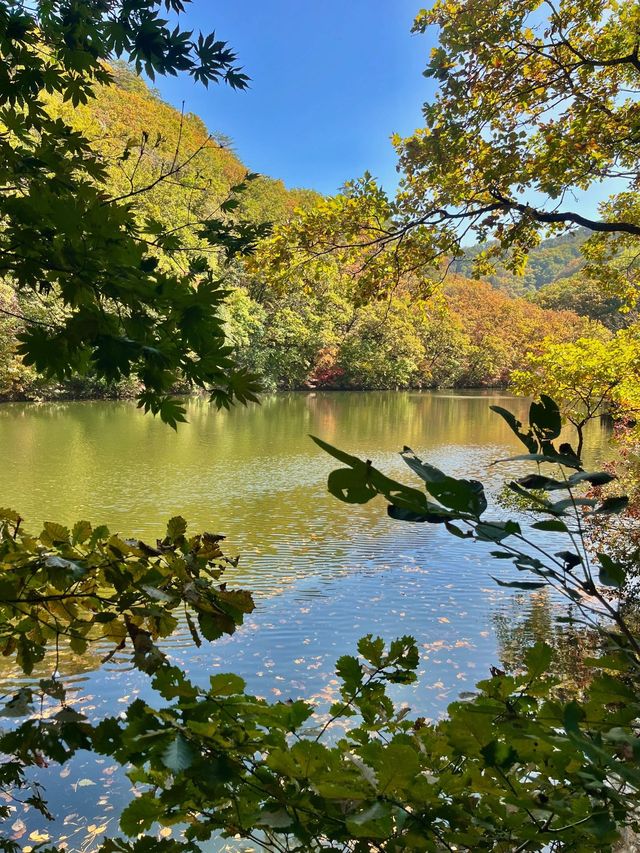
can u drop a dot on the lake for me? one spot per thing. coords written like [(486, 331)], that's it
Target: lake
[(323, 573)]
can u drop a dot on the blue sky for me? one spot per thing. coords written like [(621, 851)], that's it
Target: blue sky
[(331, 81)]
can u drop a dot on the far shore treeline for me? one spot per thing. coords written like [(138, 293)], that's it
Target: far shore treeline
[(312, 328)]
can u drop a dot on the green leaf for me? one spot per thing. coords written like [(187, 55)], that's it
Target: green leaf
[(526, 585), (457, 531), (552, 525), (611, 506), (397, 769), (595, 478), (545, 418), (373, 822), (497, 754), (611, 573), (527, 438), (171, 681), (371, 649), (609, 661), (569, 559), (351, 485), (569, 503), (539, 481), (465, 496), (193, 629), (349, 670), (574, 714), (178, 755), (100, 533), (55, 533), (81, 532), (538, 660), (340, 455), (541, 502), (141, 814), (226, 684), (551, 458), (176, 528), (78, 644), (496, 531), (399, 513), (27, 653)]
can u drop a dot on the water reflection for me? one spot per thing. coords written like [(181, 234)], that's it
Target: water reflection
[(538, 617)]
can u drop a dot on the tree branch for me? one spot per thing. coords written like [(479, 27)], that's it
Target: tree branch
[(566, 216)]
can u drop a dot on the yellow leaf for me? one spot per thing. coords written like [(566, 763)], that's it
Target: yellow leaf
[(39, 836)]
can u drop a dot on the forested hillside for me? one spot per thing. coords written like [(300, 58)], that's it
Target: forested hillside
[(313, 329), (555, 258)]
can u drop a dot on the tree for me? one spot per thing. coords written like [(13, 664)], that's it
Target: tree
[(554, 258), (383, 349), (587, 378), (64, 236), (536, 102), (587, 298), (500, 331), (353, 230)]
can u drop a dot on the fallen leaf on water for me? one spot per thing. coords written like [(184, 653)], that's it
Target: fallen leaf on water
[(19, 828), (39, 836)]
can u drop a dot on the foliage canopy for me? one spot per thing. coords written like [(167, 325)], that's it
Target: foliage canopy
[(536, 102), (64, 235)]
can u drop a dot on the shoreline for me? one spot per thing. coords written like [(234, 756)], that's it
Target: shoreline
[(69, 397)]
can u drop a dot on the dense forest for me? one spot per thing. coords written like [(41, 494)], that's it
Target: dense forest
[(314, 330)]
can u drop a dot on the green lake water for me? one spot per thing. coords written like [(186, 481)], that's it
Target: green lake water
[(323, 573)]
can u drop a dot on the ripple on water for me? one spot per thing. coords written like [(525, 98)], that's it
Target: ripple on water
[(323, 573)]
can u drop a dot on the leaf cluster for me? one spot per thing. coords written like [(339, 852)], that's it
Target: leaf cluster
[(88, 585), (512, 766)]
